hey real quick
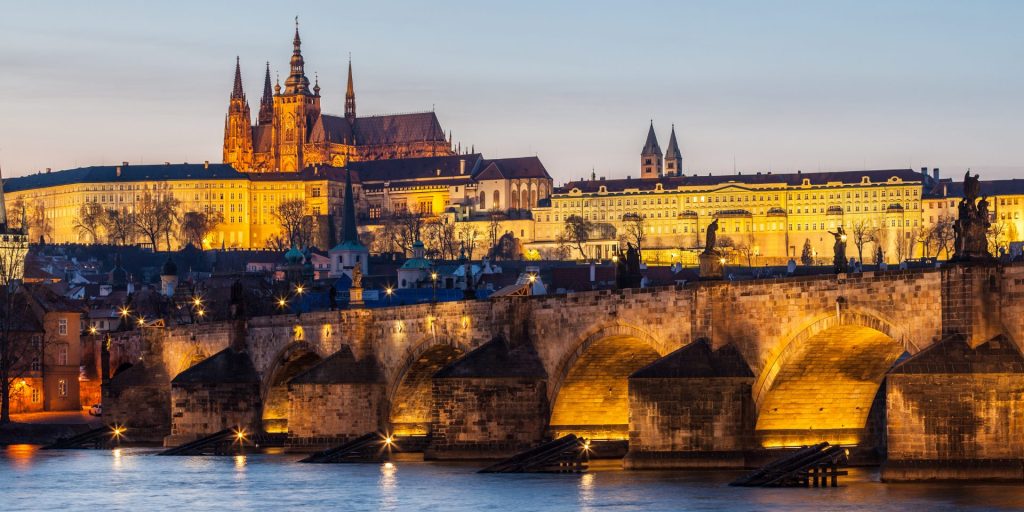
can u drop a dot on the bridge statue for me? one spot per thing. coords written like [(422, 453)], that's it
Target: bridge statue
[(711, 239), (627, 272), (971, 227), (839, 262)]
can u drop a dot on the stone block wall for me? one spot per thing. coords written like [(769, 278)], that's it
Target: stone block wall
[(480, 418), (327, 414), (139, 399), (689, 423), (202, 409)]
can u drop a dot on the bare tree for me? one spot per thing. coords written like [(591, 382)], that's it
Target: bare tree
[(576, 233), (297, 226), (494, 218), (467, 235), (634, 229), (39, 225), (119, 226), (20, 341), (89, 221), (441, 237), (196, 226), (403, 228), (156, 216), (863, 231), (996, 235), (745, 248)]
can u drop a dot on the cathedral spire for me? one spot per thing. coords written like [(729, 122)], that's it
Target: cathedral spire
[(237, 92), (297, 83), (350, 95), (650, 157), (673, 157), (267, 101)]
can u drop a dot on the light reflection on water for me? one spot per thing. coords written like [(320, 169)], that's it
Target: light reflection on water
[(134, 479)]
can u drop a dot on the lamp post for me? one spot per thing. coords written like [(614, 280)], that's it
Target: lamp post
[(388, 291), (433, 283)]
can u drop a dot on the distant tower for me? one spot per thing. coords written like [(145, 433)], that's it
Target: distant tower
[(168, 278), (673, 157), (267, 101), (238, 127), (13, 245), (650, 157), (350, 96), (350, 252), (295, 108)]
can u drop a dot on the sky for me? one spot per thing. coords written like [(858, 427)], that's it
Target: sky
[(780, 86)]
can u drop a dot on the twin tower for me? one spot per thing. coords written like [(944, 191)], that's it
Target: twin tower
[(654, 164)]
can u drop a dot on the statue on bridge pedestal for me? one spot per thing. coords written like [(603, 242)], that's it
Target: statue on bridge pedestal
[(627, 272), (839, 262), (711, 238), (711, 263), (972, 223)]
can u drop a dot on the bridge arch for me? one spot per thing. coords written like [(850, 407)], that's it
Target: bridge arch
[(589, 395), (293, 359), (822, 382), (410, 393)]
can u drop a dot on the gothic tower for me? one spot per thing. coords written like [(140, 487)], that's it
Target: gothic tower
[(673, 157), (350, 97), (267, 101), (295, 110), (650, 157), (237, 126)]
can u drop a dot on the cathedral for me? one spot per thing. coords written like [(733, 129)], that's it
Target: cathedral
[(292, 133)]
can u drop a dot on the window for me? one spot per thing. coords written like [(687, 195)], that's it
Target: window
[(35, 396), (315, 192), (62, 326), (62, 387)]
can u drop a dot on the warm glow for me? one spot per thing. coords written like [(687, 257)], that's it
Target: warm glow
[(93, 330), (721, 260), (282, 302), (433, 276), (532, 278), (201, 312), (388, 291), (240, 435), (197, 301), (299, 289), (142, 321), (125, 311)]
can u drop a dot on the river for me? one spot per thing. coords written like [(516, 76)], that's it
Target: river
[(137, 480)]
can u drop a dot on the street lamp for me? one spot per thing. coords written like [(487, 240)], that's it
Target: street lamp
[(387, 292), (433, 284)]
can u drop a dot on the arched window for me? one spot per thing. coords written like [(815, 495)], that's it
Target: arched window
[(513, 200), (497, 200), (483, 200), (525, 202), (533, 197)]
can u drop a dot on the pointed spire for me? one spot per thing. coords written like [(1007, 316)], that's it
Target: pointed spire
[(673, 146), (316, 84), (237, 92), (348, 231), (350, 94), (267, 101), (297, 83), (651, 147)]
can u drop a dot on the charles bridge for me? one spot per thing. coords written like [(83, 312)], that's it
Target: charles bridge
[(921, 367)]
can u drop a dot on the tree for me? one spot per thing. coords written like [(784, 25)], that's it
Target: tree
[(879, 256), (996, 235), (119, 226), (156, 216), (196, 226), (863, 231), (297, 226), (746, 248), (634, 229), (89, 221), (576, 233), (20, 343), (467, 235), (39, 225), (941, 235), (441, 237), (807, 254), (494, 218), (401, 230)]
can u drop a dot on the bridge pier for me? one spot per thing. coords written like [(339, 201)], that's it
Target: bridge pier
[(691, 409)]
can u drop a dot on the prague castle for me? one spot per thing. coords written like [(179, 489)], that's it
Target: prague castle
[(291, 132)]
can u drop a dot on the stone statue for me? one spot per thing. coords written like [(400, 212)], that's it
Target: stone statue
[(628, 268), (839, 262), (357, 276), (711, 239), (972, 223)]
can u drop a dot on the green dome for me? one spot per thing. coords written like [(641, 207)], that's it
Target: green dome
[(293, 256)]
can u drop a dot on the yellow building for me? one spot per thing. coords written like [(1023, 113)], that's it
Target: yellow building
[(1006, 212)]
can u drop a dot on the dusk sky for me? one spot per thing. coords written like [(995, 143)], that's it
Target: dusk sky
[(770, 86)]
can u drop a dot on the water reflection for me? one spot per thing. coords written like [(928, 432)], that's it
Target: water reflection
[(21, 455), (117, 458), (388, 486), (586, 491)]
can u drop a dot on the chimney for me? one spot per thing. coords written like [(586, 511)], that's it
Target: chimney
[(462, 166), (125, 164), (206, 164), (47, 170), (935, 173), (167, 163), (593, 272), (924, 172)]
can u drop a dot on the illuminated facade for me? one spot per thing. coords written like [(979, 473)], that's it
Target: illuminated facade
[(292, 133)]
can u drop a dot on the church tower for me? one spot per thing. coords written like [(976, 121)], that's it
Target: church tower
[(673, 157), (237, 126), (350, 97), (295, 110), (267, 101), (650, 157)]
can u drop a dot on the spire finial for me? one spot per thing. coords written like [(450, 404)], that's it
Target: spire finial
[(350, 94), (236, 91), (297, 83)]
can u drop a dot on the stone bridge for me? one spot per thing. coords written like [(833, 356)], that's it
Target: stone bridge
[(697, 375)]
